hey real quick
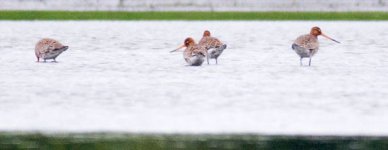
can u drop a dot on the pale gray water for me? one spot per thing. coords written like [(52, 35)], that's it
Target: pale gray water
[(120, 76)]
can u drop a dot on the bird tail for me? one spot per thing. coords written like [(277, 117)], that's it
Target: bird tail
[(223, 47), (218, 51), (295, 46)]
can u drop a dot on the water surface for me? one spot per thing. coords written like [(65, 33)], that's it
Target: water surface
[(120, 76)]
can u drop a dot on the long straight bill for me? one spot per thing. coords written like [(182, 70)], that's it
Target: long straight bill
[(330, 38), (180, 47)]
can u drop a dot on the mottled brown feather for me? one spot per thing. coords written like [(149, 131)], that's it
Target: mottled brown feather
[(46, 45)]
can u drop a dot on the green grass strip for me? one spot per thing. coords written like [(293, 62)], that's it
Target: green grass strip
[(120, 15), (116, 141)]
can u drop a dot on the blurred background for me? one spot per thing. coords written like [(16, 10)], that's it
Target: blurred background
[(197, 5)]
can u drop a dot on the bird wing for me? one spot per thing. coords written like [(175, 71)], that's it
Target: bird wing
[(199, 49), (210, 42), (42, 48), (307, 41)]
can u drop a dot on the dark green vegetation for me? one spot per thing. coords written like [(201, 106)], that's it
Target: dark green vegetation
[(114, 15), (114, 141)]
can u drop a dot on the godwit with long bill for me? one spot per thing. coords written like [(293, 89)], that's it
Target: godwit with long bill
[(306, 46), (193, 54)]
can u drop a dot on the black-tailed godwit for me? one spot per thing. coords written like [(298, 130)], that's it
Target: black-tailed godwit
[(307, 45), (193, 54), (214, 46), (49, 49)]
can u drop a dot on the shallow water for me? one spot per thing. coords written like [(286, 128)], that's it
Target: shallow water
[(120, 76)]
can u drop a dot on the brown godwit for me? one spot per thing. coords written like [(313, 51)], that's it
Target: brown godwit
[(193, 54), (49, 49), (214, 46), (307, 45)]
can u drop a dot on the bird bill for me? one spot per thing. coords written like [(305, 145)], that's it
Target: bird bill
[(180, 47), (330, 38)]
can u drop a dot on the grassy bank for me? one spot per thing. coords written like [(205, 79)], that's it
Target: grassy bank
[(102, 141), (109, 15)]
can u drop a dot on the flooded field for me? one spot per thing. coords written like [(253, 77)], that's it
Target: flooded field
[(120, 76)]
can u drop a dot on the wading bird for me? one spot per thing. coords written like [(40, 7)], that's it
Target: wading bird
[(213, 46), (307, 45), (193, 54), (49, 49)]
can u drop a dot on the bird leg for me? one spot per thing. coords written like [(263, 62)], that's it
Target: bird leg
[(311, 53), (207, 57), (37, 59), (301, 63), (216, 61)]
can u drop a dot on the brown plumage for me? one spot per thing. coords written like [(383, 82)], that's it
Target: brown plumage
[(192, 48), (307, 45), (49, 49), (194, 53), (211, 44)]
